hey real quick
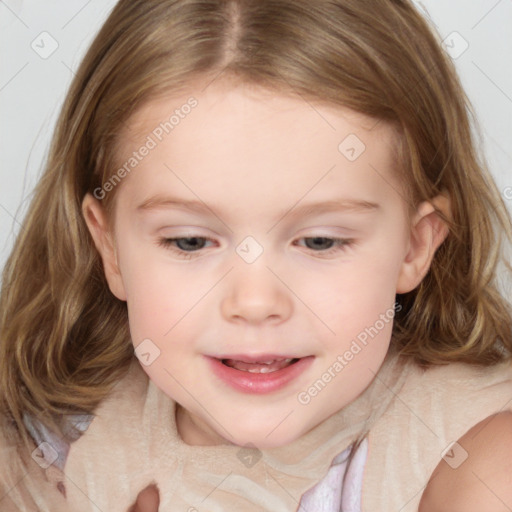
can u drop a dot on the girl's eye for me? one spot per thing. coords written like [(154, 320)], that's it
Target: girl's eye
[(334, 245), (182, 250), (186, 246)]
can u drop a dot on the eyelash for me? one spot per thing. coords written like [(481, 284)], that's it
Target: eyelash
[(340, 245)]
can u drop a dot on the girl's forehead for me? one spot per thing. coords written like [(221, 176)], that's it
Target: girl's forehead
[(222, 106), (232, 142)]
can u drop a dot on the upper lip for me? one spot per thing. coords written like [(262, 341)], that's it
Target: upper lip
[(255, 358)]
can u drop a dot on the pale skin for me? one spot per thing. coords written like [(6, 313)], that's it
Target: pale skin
[(253, 158)]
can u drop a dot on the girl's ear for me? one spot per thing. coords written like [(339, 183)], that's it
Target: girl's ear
[(96, 221), (428, 231)]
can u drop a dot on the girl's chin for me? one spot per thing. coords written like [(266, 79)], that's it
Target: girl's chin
[(195, 432), (193, 436)]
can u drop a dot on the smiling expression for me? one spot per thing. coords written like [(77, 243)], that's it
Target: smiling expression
[(260, 227)]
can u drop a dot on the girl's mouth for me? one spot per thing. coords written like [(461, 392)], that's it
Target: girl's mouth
[(260, 374)]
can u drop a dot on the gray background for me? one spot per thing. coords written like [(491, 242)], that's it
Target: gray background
[(33, 83)]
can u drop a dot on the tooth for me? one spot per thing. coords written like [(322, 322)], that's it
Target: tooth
[(261, 370), (273, 361)]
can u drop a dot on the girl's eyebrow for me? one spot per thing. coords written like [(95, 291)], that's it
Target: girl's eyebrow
[(159, 201)]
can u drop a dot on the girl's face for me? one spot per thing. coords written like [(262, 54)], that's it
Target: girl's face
[(290, 242)]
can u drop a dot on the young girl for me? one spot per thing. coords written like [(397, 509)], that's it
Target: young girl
[(259, 273)]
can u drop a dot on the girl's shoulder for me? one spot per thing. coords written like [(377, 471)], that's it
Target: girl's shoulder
[(428, 415), (443, 402), (129, 393), (452, 381), (22, 490)]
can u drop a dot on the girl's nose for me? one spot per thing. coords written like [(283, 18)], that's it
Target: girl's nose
[(256, 296)]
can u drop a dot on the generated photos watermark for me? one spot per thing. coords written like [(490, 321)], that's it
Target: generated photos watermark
[(342, 360), (151, 142)]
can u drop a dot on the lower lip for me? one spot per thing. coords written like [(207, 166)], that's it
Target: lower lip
[(258, 383)]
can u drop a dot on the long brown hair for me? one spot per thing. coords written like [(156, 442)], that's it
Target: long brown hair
[(64, 337)]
